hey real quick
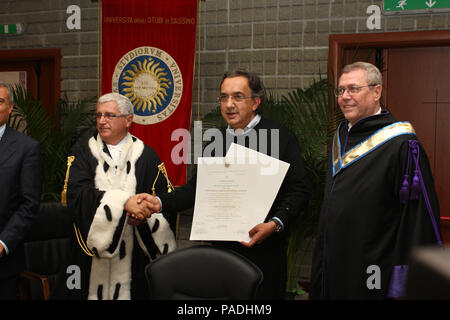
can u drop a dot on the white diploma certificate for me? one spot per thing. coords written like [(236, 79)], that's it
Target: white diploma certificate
[(234, 193)]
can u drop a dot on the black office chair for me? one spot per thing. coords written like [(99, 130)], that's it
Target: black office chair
[(203, 273), (46, 249)]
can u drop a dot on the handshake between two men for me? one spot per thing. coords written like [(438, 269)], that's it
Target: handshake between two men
[(141, 206)]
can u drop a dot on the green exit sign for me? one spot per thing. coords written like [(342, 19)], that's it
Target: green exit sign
[(416, 6), (13, 28)]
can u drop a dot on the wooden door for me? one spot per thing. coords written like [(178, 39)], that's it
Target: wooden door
[(418, 85), (43, 68), (31, 75)]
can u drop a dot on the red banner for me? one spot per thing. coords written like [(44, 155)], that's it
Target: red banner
[(148, 50)]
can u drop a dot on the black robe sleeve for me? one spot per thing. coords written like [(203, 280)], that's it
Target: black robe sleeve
[(181, 198), (419, 224)]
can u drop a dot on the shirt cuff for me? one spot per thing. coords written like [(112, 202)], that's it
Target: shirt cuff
[(4, 246), (278, 220), (160, 202)]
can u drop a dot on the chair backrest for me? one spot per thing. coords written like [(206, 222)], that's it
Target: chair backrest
[(203, 272), (47, 245)]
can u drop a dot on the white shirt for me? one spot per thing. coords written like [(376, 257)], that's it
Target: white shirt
[(350, 125), (2, 130), (116, 150), (249, 126)]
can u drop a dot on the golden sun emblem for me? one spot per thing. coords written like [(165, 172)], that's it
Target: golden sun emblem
[(145, 84)]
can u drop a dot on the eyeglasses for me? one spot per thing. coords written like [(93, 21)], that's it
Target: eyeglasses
[(339, 92), (109, 116), (234, 97)]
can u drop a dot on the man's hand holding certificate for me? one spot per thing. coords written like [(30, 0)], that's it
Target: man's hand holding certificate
[(235, 193)]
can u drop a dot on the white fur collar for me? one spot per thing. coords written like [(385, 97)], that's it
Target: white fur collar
[(111, 267)]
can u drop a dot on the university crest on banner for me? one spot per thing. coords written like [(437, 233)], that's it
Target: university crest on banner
[(152, 80), (148, 50)]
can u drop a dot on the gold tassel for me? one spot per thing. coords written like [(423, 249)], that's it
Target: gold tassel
[(162, 169), (70, 159), (170, 188)]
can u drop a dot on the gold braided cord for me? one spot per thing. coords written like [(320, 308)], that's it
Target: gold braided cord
[(170, 188), (154, 182), (70, 159), (80, 240), (81, 243), (162, 169)]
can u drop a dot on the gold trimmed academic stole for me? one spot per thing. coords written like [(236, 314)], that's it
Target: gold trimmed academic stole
[(380, 137)]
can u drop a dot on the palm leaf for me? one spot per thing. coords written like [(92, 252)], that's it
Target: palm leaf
[(56, 134), (29, 115), (71, 119), (306, 114)]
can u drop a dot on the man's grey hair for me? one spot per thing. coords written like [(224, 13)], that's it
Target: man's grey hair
[(10, 92), (124, 104), (373, 74)]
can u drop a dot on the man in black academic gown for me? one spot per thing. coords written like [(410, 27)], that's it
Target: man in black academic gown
[(241, 95), (117, 236), (379, 200)]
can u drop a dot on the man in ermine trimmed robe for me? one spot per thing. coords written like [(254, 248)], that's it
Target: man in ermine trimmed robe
[(118, 235), (379, 201)]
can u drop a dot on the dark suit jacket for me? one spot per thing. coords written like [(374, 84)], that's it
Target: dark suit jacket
[(20, 180)]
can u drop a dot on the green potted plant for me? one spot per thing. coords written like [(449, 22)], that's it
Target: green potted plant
[(56, 133), (307, 114)]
